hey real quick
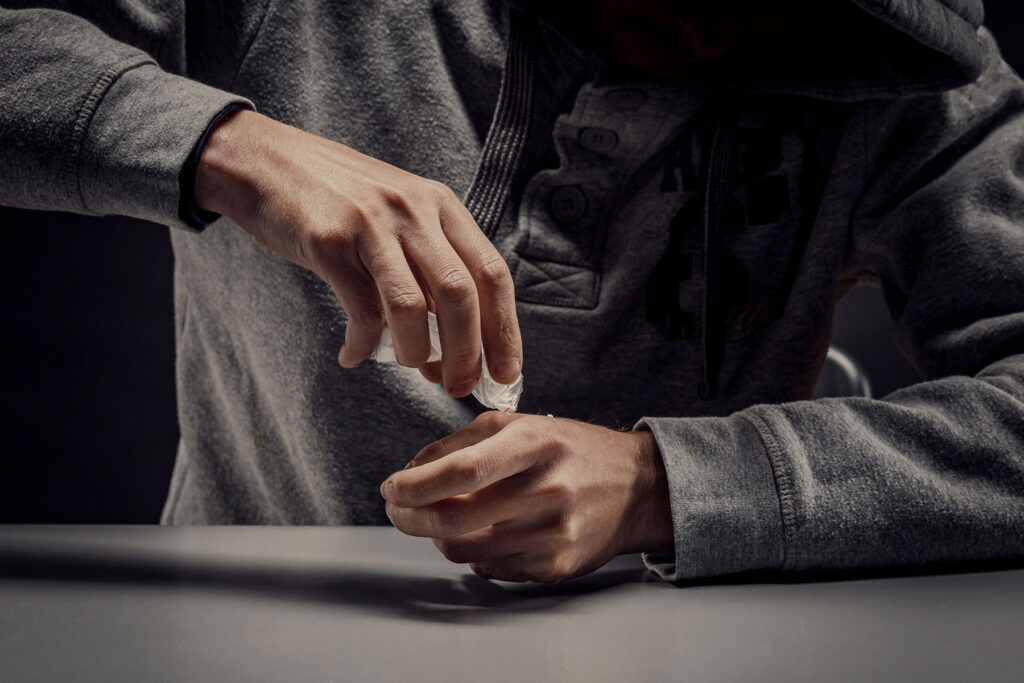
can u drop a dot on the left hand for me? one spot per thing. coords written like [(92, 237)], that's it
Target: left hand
[(527, 497)]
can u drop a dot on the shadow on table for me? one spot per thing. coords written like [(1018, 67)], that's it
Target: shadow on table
[(855, 574), (468, 599)]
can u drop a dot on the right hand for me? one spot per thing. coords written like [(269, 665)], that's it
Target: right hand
[(390, 244)]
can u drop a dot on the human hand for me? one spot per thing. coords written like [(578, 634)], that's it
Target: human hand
[(389, 243), (526, 497)]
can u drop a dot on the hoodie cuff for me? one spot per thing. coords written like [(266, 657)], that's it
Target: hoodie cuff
[(726, 515), (138, 140), (188, 211)]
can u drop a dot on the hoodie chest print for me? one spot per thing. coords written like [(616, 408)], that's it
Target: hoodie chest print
[(775, 162)]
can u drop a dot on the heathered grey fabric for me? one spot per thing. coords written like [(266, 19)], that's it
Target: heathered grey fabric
[(905, 168), (91, 125)]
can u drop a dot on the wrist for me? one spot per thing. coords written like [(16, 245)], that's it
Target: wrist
[(224, 182), (650, 524)]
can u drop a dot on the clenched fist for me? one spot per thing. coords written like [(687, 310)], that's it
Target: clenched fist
[(527, 497)]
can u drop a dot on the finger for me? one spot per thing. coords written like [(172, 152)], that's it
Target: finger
[(424, 287), (543, 567), (405, 305), (510, 537), (358, 295), (432, 371), (506, 500), (501, 338), (508, 568), (439, 449), (506, 453), (485, 425), (458, 309)]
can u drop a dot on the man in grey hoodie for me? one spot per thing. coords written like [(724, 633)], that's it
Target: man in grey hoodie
[(661, 203)]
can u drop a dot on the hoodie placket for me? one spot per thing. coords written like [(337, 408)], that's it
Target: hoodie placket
[(716, 198), (509, 129), (556, 255)]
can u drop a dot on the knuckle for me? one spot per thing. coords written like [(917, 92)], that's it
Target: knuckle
[(410, 199), (493, 273), (404, 301), (563, 567), (413, 228), (531, 434), (468, 470), (367, 212), (456, 285), (399, 198), (491, 420), (561, 496), (441, 192), (332, 239), (568, 530), (483, 466), (324, 246), (554, 569)]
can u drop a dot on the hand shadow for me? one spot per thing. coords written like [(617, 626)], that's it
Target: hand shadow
[(397, 593)]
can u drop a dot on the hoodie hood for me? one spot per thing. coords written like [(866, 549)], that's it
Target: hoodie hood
[(865, 49), (946, 30), (936, 41)]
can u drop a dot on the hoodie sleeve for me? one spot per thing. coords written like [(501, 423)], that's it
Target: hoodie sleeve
[(930, 474), (92, 125)]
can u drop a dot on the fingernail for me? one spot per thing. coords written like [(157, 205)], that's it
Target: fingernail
[(508, 369), (386, 488)]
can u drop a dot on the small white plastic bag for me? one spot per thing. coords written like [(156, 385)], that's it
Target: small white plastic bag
[(492, 394)]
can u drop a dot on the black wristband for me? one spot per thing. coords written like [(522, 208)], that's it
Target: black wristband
[(187, 209)]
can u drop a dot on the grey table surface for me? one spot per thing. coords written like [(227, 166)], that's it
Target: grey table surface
[(88, 603)]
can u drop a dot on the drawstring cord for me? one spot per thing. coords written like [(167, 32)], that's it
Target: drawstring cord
[(716, 202)]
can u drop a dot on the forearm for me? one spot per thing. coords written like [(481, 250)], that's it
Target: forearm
[(932, 474)]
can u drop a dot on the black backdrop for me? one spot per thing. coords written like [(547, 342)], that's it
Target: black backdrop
[(87, 386)]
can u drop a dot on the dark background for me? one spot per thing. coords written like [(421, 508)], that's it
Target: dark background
[(87, 410)]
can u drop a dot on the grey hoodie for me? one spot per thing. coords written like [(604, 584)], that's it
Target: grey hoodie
[(678, 250)]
